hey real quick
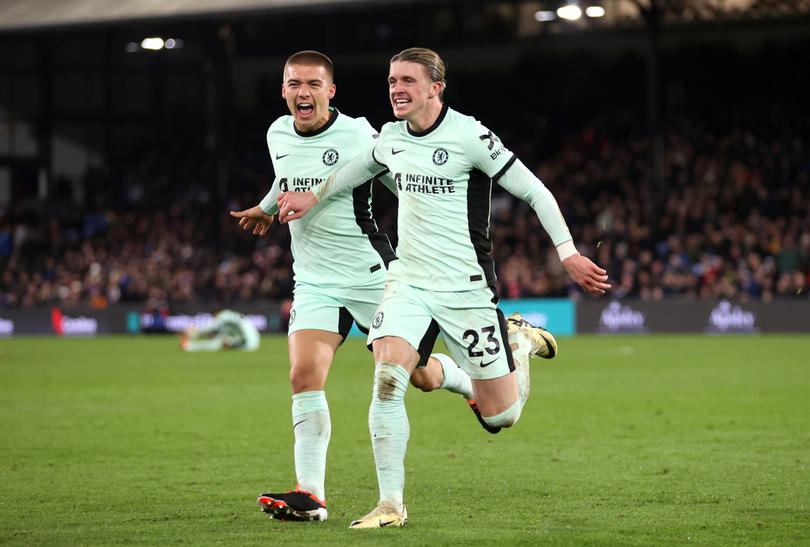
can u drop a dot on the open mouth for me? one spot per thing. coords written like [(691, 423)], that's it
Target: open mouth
[(305, 109)]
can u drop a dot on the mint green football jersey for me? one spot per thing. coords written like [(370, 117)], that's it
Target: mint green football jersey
[(338, 243), (444, 181)]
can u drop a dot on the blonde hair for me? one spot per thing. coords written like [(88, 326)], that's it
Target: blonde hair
[(427, 58)]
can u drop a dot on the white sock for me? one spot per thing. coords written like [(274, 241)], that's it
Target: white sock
[(507, 418), (312, 428), (455, 379), (521, 347), (389, 427)]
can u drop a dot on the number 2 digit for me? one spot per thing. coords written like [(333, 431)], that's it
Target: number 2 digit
[(470, 349)]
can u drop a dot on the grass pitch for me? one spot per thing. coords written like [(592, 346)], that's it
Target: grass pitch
[(626, 440)]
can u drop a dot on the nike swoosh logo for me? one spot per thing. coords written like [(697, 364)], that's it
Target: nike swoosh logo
[(278, 157), (299, 423), (483, 364), (384, 524), (394, 151)]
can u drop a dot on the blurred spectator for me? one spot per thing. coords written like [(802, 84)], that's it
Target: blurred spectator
[(732, 220)]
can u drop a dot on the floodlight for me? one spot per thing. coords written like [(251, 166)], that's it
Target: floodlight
[(152, 43), (571, 12), (595, 11), (543, 16)]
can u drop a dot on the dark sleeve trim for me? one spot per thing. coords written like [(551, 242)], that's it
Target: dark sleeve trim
[(504, 169), (383, 172), (378, 161)]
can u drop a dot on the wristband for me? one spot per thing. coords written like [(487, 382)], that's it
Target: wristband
[(566, 250)]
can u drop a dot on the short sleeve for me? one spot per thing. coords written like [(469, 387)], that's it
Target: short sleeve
[(367, 129), (379, 153), (272, 136)]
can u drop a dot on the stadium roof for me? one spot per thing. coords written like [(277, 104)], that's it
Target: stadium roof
[(33, 14), (17, 15)]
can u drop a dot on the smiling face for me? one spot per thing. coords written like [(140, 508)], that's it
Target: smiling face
[(414, 96), (308, 90)]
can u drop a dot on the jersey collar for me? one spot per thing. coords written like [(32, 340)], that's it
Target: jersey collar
[(333, 114), (430, 129)]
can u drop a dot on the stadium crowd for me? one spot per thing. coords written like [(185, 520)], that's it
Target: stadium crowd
[(730, 219)]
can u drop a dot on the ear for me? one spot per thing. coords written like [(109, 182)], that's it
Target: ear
[(435, 89), (331, 91), (283, 91)]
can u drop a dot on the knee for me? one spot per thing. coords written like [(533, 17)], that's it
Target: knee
[(507, 418), (395, 351), (298, 381), (306, 377)]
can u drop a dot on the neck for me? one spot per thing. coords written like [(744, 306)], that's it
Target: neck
[(426, 116), (318, 124)]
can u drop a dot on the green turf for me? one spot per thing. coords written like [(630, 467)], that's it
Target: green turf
[(626, 440)]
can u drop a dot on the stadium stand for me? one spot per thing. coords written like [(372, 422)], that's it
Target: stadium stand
[(723, 215)]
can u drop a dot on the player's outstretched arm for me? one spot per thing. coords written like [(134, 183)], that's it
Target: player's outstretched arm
[(294, 205), (254, 219), (522, 183)]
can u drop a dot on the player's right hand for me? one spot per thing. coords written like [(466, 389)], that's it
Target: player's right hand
[(293, 205), (254, 219)]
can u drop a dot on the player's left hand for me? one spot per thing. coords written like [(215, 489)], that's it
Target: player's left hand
[(254, 219), (293, 205), (588, 275)]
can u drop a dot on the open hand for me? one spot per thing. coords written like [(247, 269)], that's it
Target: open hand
[(588, 275)]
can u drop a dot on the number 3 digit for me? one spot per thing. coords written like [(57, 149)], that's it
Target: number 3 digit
[(490, 330)]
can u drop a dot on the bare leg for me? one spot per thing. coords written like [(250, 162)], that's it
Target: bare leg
[(496, 395), (501, 400), (429, 377), (311, 354)]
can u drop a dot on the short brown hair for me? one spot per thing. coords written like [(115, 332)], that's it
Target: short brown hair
[(309, 57), (429, 59)]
